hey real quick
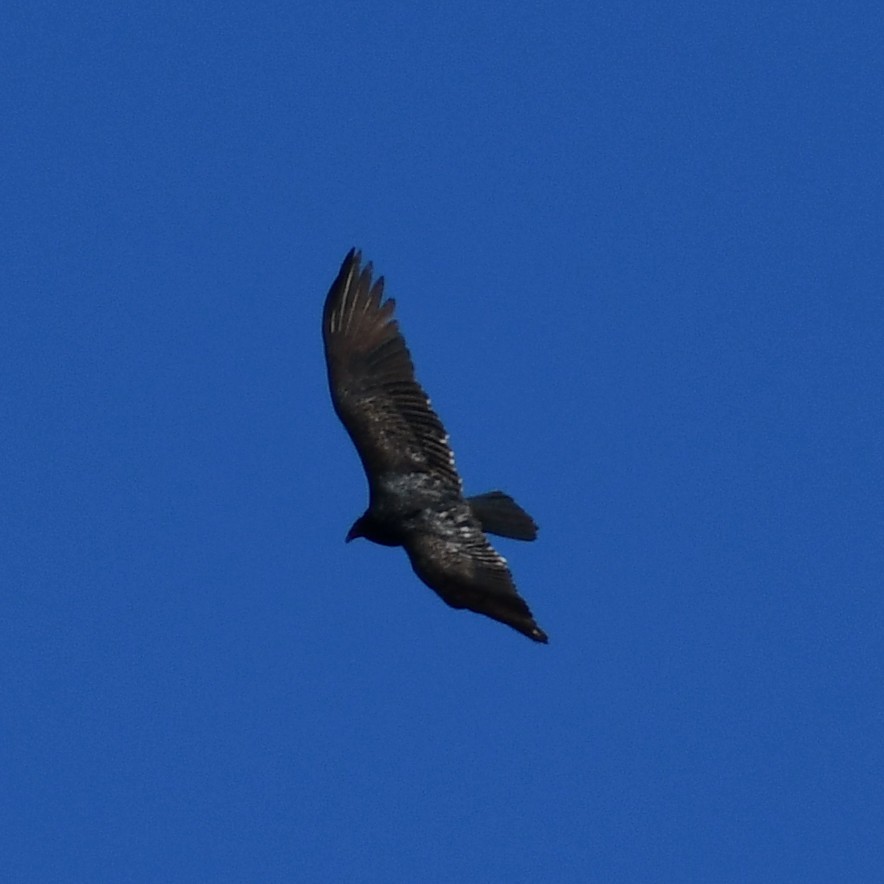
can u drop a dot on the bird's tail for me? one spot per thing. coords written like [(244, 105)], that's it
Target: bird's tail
[(501, 515)]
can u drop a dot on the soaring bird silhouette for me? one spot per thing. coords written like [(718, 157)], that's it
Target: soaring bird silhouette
[(416, 496)]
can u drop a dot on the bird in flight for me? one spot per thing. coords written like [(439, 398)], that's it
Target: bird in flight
[(416, 497)]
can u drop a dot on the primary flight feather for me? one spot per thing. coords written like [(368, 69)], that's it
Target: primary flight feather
[(416, 496)]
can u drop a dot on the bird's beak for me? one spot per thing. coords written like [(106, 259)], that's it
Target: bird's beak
[(352, 534)]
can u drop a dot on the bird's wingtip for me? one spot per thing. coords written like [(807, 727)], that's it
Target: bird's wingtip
[(539, 635)]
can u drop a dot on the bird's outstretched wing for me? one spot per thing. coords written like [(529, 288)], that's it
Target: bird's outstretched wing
[(372, 384), (461, 566)]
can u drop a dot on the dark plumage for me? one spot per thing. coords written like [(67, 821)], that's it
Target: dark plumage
[(415, 493)]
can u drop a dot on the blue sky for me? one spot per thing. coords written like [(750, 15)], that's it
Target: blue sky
[(637, 252)]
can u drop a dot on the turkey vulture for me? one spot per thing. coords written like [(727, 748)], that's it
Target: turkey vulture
[(415, 493)]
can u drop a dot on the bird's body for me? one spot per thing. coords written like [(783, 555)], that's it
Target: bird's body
[(416, 496)]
